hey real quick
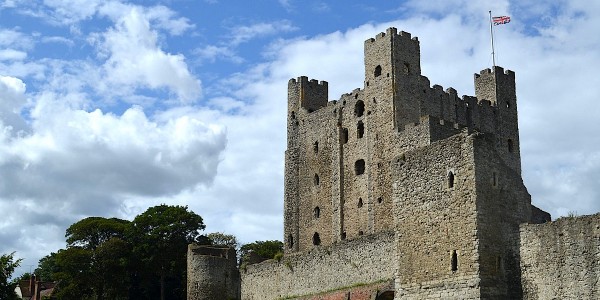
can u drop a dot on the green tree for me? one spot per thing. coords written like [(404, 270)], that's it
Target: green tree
[(91, 232), (260, 251), (47, 268), (222, 239), (96, 260), (162, 234), (8, 264), (74, 273)]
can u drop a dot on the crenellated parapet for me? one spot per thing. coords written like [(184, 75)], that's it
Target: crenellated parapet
[(308, 94)]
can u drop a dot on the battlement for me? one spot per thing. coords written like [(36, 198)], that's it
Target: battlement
[(308, 94), (497, 70), (392, 32), (303, 80)]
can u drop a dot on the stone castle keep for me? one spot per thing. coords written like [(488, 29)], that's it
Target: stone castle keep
[(401, 190)]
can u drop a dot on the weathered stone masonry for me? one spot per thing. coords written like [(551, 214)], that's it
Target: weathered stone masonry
[(404, 190)]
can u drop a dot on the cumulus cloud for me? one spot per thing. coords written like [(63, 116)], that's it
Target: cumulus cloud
[(136, 61), (12, 100), (91, 163)]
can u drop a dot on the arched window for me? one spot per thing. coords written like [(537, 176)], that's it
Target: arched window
[(290, 241), (359, 167), (450, 179), (359, 108), (360, 203), (360, 129), (317, 212), (316, 179), (316, 239), (377, 72)]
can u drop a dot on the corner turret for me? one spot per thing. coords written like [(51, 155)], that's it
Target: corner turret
[(393, 72), (212, 273), (498, 87)]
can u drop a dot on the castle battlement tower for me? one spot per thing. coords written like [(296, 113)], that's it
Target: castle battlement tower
[(339, 160)]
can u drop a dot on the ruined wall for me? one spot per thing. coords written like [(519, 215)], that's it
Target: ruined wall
[(366, 260), (434, 200), (503, 203), (561, 259), (212, 273)]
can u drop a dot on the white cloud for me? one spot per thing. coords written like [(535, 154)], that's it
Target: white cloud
[(135, 60), (10, 54), (12, 100), (15, 39), (83, 163), (58, 39), (243, 34), (211, 53)]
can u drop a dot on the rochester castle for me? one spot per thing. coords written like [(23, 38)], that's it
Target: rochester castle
[(400, 190)]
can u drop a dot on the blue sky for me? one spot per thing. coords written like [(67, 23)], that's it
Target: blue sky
[(110, 107)]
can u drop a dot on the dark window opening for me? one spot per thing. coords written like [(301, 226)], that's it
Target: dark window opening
[(316, 147), (377, 72), (510, 146), (360, 203), (359, 108), (290, 241), (316, 179), (356, 96), (359, 167), (454, 261), (387, 295), (343, 235), (361, 232), (317, 212), (507, 104), (499, 264), (379, 200), (450, 179), (406, 68), (345, 135), (360, 129), (494, 179), (316, 239), (388, 74), (367, 83), (293, 115)]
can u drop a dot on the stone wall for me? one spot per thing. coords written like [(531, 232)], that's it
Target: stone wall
[(363, 261), (561, 259), (212, 273), (435, 201)]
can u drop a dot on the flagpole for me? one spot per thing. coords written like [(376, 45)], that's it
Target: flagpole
[(492, 34)]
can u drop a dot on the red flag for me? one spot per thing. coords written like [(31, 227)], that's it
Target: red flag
[(500, 20)]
